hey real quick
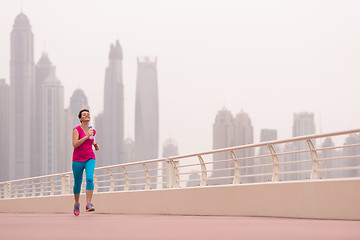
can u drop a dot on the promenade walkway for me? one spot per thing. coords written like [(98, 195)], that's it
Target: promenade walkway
[(110, 226)]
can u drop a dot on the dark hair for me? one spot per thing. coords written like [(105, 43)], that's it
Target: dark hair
[(81, 111)]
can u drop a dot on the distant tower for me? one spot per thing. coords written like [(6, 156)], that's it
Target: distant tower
[(113, 127), (244, 132), (22, 98), (268, 135), (4, 130), (146, 110), (44, 69), (223, 137), (53, 126), (129, 149), (304, 124), (147, 113), (244, 135), (78, 101), (170, 148)]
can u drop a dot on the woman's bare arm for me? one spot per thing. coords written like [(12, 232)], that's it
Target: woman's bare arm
[(75, 138)]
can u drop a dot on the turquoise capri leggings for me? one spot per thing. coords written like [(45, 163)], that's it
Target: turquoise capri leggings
[(78, 169)]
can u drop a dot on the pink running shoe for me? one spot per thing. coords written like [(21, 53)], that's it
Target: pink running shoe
[(77, 209), (90, 207)]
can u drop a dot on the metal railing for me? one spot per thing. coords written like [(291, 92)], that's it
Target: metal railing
[(295, 159)]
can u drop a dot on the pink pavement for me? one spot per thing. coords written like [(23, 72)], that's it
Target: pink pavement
[(110, 226)]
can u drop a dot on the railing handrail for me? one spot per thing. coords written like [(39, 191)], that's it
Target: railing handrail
[(275, 142), (174, 169)]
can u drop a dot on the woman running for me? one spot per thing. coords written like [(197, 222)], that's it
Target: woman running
[(83, 158)]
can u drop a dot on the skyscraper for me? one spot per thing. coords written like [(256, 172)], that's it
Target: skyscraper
[(129, 150), (53, 126), (146, 110), (78, 101), (304, 124), (267, 135), (244, 135), (22, 98), (4, 130), (228, 132), (223, 137), (44, 69), (113, 121), (170, 148), (147, 113)]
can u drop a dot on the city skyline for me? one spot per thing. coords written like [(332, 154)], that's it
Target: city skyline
[(300, 76)]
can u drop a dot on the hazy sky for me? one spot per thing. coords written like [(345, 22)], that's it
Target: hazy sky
[(270, 58)]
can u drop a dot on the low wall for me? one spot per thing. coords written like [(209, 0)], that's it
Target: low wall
[(320, 199)]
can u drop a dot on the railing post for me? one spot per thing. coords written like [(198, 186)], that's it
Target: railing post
[(65, 184), (52, 192), (276, 172), (7, 190), (172, 174), (41, 187), (127, 181), (203, 171), (112, 182), (33, 188), (237, 173), (147, 186), (315, 161), (16, 192), (24, 188)]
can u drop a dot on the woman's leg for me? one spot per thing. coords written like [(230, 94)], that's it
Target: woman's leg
[(89, 169), (78, 169)]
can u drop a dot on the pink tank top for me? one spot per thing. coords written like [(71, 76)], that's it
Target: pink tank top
[(83, 152)]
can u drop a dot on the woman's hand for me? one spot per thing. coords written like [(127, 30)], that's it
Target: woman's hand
[(89, 132), (96, 146)]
